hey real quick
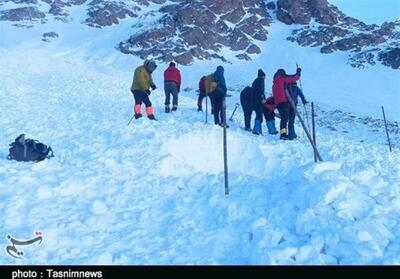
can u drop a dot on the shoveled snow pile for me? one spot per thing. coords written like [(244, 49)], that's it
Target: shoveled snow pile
[(152, 193)]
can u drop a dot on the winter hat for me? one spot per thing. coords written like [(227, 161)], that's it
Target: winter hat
[(260, 73), (281, 72), (150, 65), (172, 64), (220, 69)]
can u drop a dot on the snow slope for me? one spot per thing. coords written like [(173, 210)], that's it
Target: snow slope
[(153, 192)]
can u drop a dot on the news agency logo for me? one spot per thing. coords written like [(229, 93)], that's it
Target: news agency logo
[(14, 251)]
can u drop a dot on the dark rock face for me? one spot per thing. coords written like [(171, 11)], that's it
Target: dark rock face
[(271, 6), (22, 14), (48, 36), (200, 29), (106, 13), (355, 43), (302, 11), (390, 58), (334, 31), (316, 37)]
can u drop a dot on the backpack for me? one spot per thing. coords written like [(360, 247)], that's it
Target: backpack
[(245, 95), (29, 150), (211, 84), (202, 84)]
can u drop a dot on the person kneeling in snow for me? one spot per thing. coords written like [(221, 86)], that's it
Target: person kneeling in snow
[(269, 114), (142, 82), (294, 92)]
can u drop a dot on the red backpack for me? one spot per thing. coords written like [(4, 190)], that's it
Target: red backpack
[(202, 84)]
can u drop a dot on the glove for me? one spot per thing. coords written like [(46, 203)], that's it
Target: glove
[(305, 102), (153, 87), (148, 92), (298, 71), (179, 89)]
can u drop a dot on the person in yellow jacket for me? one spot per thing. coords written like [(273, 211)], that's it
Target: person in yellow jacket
[(142, 82)]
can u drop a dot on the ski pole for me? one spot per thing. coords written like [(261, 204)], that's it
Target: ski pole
[(304, 126), (386, 128), (233, 113), (225, 151), (206, 106), (130, 120)]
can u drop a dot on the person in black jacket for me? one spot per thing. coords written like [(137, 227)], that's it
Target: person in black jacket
[(251, 99), (257, 100), (294, 92)]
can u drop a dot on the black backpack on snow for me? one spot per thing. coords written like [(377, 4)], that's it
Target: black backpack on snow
[(29, 150)]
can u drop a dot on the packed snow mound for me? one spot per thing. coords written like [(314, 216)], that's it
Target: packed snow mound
[(152, 193), (200, 151)]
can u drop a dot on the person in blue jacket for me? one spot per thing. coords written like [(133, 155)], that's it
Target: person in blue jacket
[(218, 96)]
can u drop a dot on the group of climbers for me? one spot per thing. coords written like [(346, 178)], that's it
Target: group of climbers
[(143, 81), (253, 99), (213, 86)]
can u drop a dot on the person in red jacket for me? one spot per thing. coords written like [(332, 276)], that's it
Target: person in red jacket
[(172, 86), (281, 81)]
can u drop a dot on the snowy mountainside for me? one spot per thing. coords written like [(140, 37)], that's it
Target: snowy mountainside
[(153, 193)]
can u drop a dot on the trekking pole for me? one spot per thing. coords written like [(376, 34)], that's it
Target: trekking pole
[(304, 106), (130, 120), (386, 128), (304, 126), (313, 129), (225, 147), (233, 113), (206, 107)]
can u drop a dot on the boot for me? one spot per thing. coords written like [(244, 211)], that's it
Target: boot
[(271, 127), (199, 108), (151, 117), (284, 135), (257, 127), (174, 108), (138, 115), (292, 134), (167, 109), (248, 129)]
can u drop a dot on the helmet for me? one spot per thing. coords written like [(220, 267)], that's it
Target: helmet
[(150, 65)]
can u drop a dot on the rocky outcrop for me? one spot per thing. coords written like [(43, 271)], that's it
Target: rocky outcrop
[(333, 31), (390, 57), (22, 14), (302, 11), (201, 29), (49, 36), (106, 13)]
